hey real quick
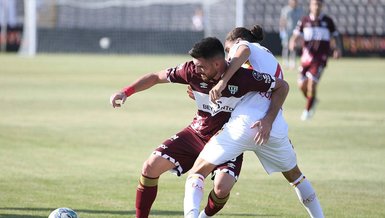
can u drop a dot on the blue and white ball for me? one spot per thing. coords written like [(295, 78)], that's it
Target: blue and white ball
[(63, 213)]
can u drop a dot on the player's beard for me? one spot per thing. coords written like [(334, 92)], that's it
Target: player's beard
[(208, 78)]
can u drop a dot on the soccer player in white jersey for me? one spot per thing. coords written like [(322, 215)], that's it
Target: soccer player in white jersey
[(318, 31), (240, 133)]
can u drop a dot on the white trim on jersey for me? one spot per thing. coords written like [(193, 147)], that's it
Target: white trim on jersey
[(316, 33)]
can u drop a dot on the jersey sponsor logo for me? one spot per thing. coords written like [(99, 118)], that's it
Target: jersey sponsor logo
[(224, 104), (233, 89), (316, 33), (217, 108), (203, 85)]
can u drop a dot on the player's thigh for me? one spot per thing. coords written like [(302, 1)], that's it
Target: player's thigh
[(230, 142), (202, 167), (155, 165), (277, 155), (181, 149), (302, 78), (315, 70)]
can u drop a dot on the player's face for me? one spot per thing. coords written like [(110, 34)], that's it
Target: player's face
[(228, 45), (206, 69), (315, 7), (293, 3)]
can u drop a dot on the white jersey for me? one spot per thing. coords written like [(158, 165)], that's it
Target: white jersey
[(236, 137), (254, 105)]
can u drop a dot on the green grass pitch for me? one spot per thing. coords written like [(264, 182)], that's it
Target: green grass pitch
[(63, 145)]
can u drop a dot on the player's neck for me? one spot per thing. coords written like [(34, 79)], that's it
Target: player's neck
[(222, 70), (315, 16)]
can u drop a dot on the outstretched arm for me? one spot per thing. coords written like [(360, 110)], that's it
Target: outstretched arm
[(241, 56), (264, 125), (143, 83)]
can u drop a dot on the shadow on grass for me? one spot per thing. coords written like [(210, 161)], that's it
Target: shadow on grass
[(113, 212)]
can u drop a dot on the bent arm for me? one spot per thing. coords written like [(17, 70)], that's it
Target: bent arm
[(278, 97), (240, 57), (264, 125)]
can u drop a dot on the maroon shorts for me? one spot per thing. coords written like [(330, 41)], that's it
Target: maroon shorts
[(183, 149), (312, 66)]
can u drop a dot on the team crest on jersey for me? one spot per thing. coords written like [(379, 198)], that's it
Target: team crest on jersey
[(203, 85), (233, 89)]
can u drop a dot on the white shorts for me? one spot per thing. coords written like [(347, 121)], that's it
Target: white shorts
[(277, 155)]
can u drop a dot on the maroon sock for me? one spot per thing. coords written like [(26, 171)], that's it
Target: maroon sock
[(145, 196), (214, 204), (310, 102)]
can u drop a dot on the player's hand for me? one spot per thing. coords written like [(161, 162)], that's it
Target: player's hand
[(291, 45), (337, 53), (263, 133), (118, 99), (216, 92), (190, 92)]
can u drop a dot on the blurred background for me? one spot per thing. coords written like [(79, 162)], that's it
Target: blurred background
[(170, 26)]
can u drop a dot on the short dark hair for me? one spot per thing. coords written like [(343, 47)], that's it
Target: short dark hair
[(207, 48)]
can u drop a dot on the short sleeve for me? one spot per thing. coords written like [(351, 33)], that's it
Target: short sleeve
[(181, 73)]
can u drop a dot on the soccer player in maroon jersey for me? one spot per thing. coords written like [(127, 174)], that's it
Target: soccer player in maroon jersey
[(316, 30), (180, 151)]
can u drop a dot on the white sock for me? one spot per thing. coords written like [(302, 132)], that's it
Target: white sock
[(308, 197), (193, 194), (203, 214)]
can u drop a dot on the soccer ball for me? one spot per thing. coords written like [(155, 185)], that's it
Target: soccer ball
[(104, 42), (63, 213)]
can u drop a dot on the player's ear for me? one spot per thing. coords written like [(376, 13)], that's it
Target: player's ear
[(216, 62), (219, 63)]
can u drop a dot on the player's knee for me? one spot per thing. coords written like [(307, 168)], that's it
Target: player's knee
[(292, 174), (149, 169), (146, 168), (221, 191), (222, 187)]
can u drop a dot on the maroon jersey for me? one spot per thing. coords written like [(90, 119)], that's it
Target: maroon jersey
[(211, 117), (317, 33)]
